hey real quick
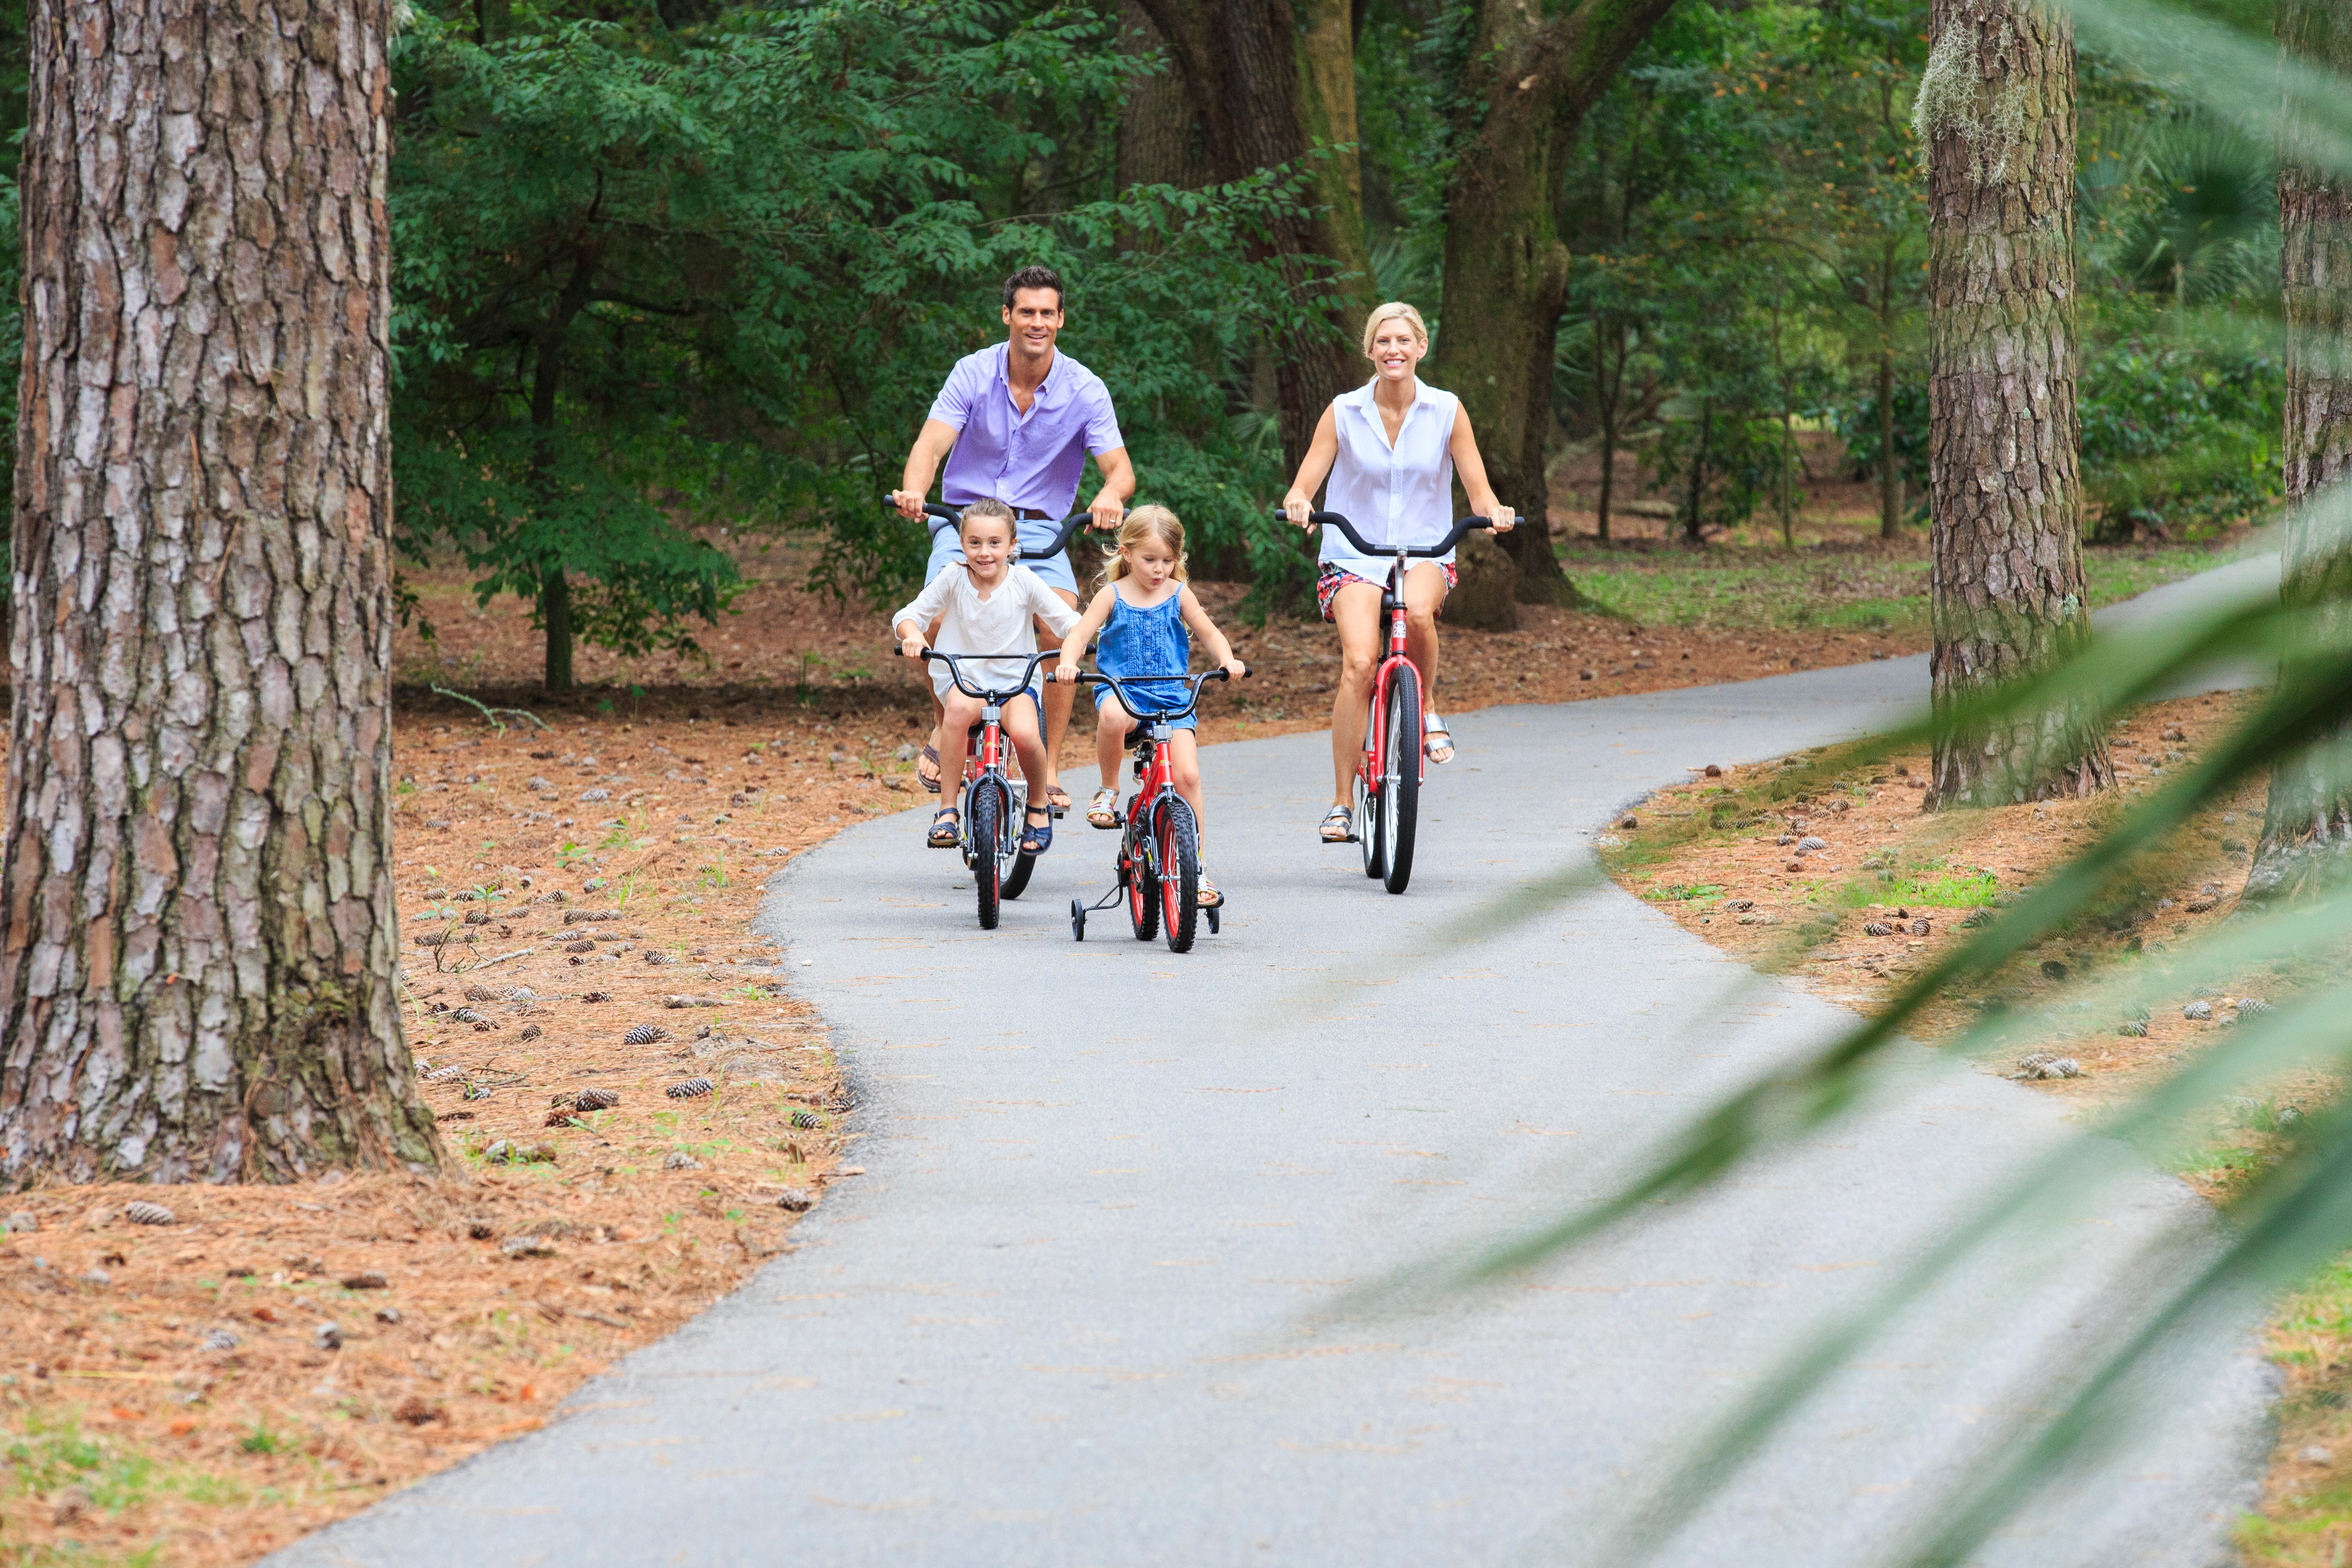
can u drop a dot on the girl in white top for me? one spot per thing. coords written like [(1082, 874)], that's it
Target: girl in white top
[(989, 604), (1391, 449)]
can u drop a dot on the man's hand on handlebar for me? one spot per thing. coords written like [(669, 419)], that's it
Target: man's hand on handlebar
[(910, 504), (1299, 508), (1108, 510)]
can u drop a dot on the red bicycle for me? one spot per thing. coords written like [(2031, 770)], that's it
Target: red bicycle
[(1159, 852), (1387, 802), (989, 833)]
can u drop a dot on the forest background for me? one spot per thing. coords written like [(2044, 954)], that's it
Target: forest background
[(680, 277)]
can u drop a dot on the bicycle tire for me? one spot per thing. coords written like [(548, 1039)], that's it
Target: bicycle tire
[(987, 827), (1401, 784), (1368, 828), (1017, 880), (1180, 874), (1142, 886)]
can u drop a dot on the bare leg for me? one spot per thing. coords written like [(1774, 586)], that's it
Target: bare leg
[(959, 713), (1112, 723), (1184, 770), (1021, 729), (1356, 610), (939, 721)]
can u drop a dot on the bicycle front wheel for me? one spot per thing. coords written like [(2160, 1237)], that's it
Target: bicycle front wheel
[(1180, 873), (1400, 780), (987, 831)]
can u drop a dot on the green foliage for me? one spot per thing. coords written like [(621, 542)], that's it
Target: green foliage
[(2177, 439)]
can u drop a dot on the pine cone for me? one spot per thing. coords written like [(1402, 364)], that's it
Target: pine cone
[(585, 944), (804, 1119), (792, 1200), (646, 1035), (1921, 927), (443, 1075), (692, 1088), (595, 1099), (559, 1117), (1877, 928), (481, 993), (596, 997), (531, 1032), (141, 1212)]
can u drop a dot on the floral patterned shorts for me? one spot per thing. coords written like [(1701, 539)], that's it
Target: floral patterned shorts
[(1334, 577)]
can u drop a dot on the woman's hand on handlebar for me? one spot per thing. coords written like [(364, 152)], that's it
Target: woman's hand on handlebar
[(1500, 517), (1297, 507)]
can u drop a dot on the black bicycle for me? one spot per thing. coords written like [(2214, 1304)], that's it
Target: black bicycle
[(1159, 851), (1387, 806)]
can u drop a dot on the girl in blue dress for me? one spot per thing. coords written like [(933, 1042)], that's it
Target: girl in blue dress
[(1142, 613)]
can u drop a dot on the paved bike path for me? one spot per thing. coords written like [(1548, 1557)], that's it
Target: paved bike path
[(1082, 1308)]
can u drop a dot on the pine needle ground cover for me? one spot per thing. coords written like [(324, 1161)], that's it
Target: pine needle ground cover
[(1728, 858)]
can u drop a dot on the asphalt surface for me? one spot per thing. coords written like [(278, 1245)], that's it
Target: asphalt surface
[(1091, 1302)]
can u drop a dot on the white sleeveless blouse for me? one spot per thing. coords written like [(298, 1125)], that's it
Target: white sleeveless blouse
[(1394, 495)]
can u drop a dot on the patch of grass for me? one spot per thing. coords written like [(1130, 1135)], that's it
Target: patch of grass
[(1677, 891), (1931, 886), (51, 1454)]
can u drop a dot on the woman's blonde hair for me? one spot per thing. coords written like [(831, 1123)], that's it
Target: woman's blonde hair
[(1395, 310), (1147, 522)]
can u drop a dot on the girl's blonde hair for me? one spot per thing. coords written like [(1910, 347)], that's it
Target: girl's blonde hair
[(1147, 522), (1394, 311)]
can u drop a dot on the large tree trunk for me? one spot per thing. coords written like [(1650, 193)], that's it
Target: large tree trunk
[(1241, 64), (197, 945), (2308, 826), (1997, 115), (1531, 78), (1158, 136), (1327, 104)]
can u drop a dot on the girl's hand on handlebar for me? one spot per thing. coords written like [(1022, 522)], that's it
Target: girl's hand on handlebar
[(1235, 669), (1298, 508), (1502, 517), (1065, 674), (913, 648)]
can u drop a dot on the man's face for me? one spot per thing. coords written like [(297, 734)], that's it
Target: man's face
[(1035, 317)]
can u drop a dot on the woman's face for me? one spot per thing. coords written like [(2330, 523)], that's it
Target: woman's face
[(1395, 349)]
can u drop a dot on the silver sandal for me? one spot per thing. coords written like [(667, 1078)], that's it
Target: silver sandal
[(1433, 734), (1339, 817)]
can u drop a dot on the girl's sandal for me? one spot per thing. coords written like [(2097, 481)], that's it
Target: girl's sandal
[(1338, 825), (946, 828), (1205, 893), (931, 758), (1103, 811), (1059, 799), (1437, 738), (1036, 838)]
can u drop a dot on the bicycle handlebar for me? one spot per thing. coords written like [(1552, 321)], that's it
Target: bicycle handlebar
[(1065, 530), (955, 670), (1462, 526), (1118, 684)]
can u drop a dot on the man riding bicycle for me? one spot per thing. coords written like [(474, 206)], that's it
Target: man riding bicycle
[(1015, 422)]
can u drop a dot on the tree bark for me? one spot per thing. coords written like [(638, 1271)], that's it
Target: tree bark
[(1327, 102), (1996, 110), (1240, 64), (2307, 828), (197, 940), (1531, 77), (1158, 136), (1607, 391)]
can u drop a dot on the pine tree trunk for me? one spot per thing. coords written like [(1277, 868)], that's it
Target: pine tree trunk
[(1327, 102), (197, 941), (1607, 389), (1530, 78), (1997, 114), (2307, 828)]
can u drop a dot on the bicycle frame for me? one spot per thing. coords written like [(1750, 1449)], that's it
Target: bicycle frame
[(983, 770), (1144, 875)]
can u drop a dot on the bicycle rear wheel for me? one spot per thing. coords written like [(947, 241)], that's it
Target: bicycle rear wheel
[(1142, 886), (1400, 783), (987, 829), (1180, 873), (1368, 804)]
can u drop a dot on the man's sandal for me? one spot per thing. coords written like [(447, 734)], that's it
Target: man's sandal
[(1036, 839), (947, 830), (931, 780), (1437, 738), (1338, 825), (1103, 811)]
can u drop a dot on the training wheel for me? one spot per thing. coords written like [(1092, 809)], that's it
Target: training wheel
[(1077, 920), (1212, 912)]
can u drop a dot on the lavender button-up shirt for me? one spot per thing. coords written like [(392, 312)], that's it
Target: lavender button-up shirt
[(1030, 462)]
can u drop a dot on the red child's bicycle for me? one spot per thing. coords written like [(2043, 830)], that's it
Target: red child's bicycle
[(1159, 851), (990, 828), (1387, 789)]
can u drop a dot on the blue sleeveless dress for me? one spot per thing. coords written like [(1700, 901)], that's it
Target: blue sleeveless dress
[(1137, 645)]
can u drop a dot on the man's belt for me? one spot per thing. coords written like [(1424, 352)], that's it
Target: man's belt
[(1031, 514)]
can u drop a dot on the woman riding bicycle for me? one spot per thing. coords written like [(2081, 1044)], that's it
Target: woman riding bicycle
[(1390, 449)]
